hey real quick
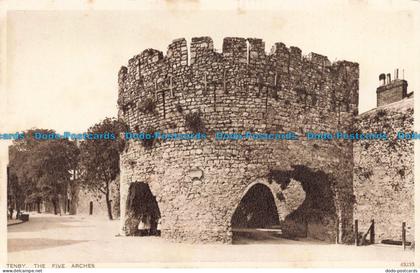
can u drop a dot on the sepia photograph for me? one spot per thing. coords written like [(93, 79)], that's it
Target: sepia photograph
[(209, 134)]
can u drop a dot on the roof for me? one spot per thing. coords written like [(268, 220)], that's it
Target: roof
[(399, 106)]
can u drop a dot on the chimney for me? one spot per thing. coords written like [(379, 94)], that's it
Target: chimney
[(390, 91), (381, 79)]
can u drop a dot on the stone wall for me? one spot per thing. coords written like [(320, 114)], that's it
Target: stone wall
[(383, 172), (84, 197), (198, 184)]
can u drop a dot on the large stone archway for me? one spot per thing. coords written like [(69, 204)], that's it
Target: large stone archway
[(316, 217), (257, 209)]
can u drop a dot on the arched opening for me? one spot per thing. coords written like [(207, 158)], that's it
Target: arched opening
[(316, 217), (256, 211), (142, 211)]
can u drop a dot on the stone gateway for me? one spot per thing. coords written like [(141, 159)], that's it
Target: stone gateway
[(203, 190)]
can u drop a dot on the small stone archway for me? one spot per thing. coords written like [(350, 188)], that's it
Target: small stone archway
[(256, 209), (142, 211)]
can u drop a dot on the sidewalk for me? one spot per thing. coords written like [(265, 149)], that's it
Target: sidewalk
[(49, 238), (13, 222)]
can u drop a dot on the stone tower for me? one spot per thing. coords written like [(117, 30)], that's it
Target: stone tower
[(198, 186)]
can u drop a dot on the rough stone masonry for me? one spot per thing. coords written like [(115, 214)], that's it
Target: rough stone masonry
[(199, 184), (383, 170)]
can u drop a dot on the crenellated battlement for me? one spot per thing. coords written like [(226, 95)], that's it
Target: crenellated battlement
[(282, 80)]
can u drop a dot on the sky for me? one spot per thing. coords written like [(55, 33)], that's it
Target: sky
[(62, 65)]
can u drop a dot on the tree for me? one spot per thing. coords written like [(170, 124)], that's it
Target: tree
[(19, 182), (100, 158), (51, 164), (15, 192), (39, 169)]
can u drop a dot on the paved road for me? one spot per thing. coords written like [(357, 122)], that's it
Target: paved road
[(77, 239)]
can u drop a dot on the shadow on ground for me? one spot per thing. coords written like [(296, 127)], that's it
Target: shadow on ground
[(14, 245), (40, 223), (264, 236)]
